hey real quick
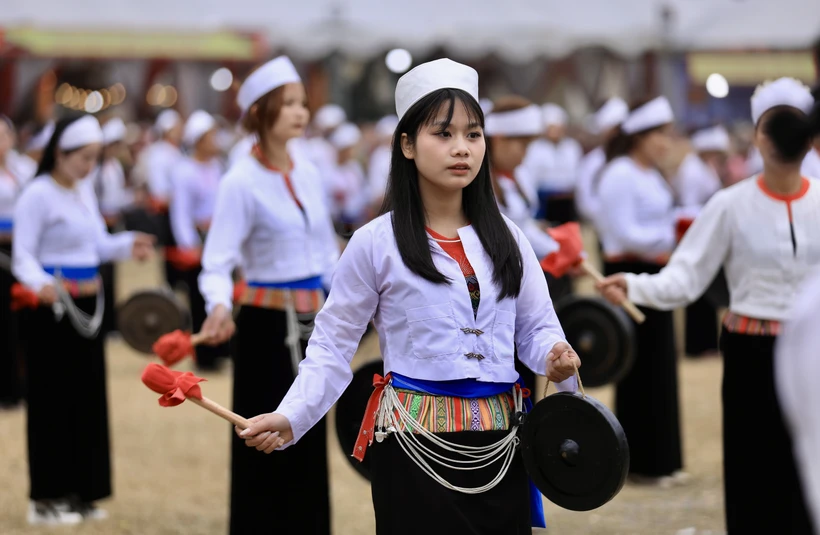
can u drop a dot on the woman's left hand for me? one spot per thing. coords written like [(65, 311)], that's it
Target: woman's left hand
[(562, 361)]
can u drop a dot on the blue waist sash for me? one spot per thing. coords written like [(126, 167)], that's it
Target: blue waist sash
[(313, 283), (73, 273), (472, 388), (6, 225)]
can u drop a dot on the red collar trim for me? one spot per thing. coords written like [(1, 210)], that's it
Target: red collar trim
[(804, 188)]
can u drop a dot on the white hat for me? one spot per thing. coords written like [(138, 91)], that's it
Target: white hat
[(387, 126), (522, 122), (656, 112), (166, 120), (554, 115), (611, 114), (198, 124), (486, 105), (329, 117), (715, 138), (432, 76), (781, 92), (41, 138), (113, 131), (275, 73), (84, 131), (345, 136)]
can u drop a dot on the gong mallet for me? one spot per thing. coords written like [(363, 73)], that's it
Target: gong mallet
[(176, 345), (630, 308)]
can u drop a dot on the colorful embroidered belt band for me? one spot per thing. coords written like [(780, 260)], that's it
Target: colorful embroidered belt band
[(735, 323), (77, 281), (307, 295)]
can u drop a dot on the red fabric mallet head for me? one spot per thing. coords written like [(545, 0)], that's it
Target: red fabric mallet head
[(174, 386), (173, 347), (681, 226), (239, 288), (183, 259), (23, 297), (571, 252)]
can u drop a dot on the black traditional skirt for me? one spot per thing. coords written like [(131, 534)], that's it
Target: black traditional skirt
[(701, 328), (762, 486), (286, 491), (11, 355), (646, 400), (68, 446)]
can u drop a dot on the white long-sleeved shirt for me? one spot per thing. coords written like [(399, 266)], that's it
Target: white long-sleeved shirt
[(349, 190), (695, 182), (519, 212), (61, 227), (586, 195), (10, 187), (636, 215), (194, 187), (378, 172), (554, 166), (241, 149), (114, 195), (162, 156), (419, 323), (747, 231), (796, 371), (22, 166), (257, 224), (811, 164)]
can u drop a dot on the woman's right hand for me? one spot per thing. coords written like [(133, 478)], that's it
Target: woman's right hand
[(47, 295), (613, 288), (267, 432), (218, 326)]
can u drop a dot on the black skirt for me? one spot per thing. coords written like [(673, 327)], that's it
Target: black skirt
[(560, 209), (68, 447), (11, 357), (286, 491), (408, 502), (646, 400), (108, 274), (701, 328), (762, 486)]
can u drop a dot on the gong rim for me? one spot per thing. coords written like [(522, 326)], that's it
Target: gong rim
[(350, 411), (602, 335), (580, 480), (149, 314)]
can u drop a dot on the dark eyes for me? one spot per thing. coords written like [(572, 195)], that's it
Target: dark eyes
[(471, 135)]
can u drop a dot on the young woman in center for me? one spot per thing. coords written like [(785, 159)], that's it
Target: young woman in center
[(453, 288)]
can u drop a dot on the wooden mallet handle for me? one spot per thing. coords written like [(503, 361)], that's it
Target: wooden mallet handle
[(197, 338), (221, 411), (627, 305)]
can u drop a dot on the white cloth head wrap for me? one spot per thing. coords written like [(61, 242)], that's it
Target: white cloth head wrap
[(345, 136), (387, 126), (656, 112), (554, 115), (84, 131), (166, 120), (198, 124), (275, 73), (113, 131), (715, 138), (329, 117), (522, 122), (432, 76), (40, 140), (611, 114), (781, 92)]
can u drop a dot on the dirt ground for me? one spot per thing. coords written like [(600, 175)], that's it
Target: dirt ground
[(171, 465)]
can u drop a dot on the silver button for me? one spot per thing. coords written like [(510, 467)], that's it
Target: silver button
[(476, 356), (468, 330)]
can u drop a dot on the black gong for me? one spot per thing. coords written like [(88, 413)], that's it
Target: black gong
[(350, 412), (575, 451), (601, 334), (149, 314)]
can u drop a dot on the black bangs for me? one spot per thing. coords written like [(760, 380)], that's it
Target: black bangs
[(430, 110)]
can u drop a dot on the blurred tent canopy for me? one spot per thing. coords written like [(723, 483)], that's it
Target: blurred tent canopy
[(514, 30)]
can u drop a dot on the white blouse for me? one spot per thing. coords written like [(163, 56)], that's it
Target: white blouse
[(421, 324), (796, 371), (194, 186), (257, 224), (586, 195), (10, 187), (378, 171), (113, 193), (554, 166), (811, 164), (162, 157), (695, 182), (520, 213), (61, 227), (748, 232), (636, 214)]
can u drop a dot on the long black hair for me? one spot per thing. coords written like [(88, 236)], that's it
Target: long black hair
[(49, 159), (478, 201), (790, 131)]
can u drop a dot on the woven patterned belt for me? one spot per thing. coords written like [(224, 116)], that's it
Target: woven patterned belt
[(305, 301), (446, 414), (735, 323)]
